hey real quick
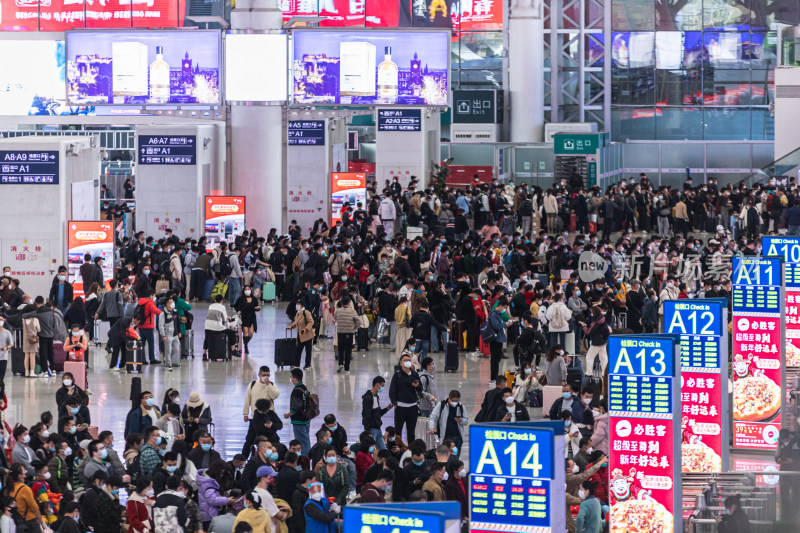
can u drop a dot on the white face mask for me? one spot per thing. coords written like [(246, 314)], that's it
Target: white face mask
[(317, 496), (587, 401), (446, 476), (509, 400), (407, 364), (582, 494), (575, 469), (462, 473), (46, 475), (589, 450)]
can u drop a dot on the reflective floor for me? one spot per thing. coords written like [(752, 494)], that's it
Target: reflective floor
[(222, 385)]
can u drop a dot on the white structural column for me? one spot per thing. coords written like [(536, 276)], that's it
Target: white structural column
[(526, 70), (257, 135)]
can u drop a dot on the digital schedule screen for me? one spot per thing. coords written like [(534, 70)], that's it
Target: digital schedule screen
[(757, 351), (756, 285), (513, 478), (29, 167), (644, 458), (306, 133), (704, 393), (167, 150)]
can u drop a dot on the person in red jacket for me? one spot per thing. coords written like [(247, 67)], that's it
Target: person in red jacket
[(139, 506), (375, 492), (147, 312), (365, 456)]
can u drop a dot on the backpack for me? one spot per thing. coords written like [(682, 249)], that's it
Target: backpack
[(557, 320), (133, 470), (312, 406), (225, 265), (139, 313)]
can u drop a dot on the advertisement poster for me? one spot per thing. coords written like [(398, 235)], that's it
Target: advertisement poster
[(224, 219), (93, 238), (478, 15), (374, 67), (514, 485), (347, 187), (33, 91), (61, 15), (757, 370), (788, 247), (704, 384), (644, 436), (143, 67)]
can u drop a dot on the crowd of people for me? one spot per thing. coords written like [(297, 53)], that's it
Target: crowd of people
[(494, 274)]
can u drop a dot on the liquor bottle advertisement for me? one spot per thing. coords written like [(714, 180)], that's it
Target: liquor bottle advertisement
[(147, 67), (362, 68)]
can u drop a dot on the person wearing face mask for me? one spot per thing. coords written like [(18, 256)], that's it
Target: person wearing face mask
[(171, 424), (254, 514), (324, 440), (204, 455), (247, 307), (149, 457), (587, 395), (669, 292), (403, 392), (428, 399), (375, 492), (22, 453), (574, 477), (139, 506), (448, 420), (736, 520), (27, 507), (599, 439), (142, 416), (145, 312), (97, 460), (590, 513), (333, 474), (58, 466), (454, 488), (435, 483), (259, 388), (572, 435), (319, 514), (169, 331), (511, 410), (372, 412), (61, 291), (584, 452)]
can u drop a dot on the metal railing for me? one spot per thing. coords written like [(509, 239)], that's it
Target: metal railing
[(108, 139)]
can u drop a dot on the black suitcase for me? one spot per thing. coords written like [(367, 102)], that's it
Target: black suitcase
[(451, 357), (362, 339), (575, 377), (17, 355), (218, 347), (457, 330), (286, 352)]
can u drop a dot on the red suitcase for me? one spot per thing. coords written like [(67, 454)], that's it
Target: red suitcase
[(59, 357), (592, 227), (573, 222), (78, 369), (485, 350)]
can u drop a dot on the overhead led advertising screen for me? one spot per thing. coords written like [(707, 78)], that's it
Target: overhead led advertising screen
[(758, 341), (143, 67), (256, 81), (32, 91), (61, 15), (704, 384), (371, 67)]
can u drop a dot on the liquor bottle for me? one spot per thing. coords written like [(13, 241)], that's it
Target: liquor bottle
[(159, 78), (387, 78)]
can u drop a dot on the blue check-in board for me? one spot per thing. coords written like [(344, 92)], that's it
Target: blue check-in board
[(699, 325), (512, 477), (391, 519), (787, 247), (757, 284), (642, 355)]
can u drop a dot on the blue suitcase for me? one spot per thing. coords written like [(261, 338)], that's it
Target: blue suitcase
[(209, 286)]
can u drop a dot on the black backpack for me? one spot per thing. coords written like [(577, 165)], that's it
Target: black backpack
[(139, 313), (225, 265)]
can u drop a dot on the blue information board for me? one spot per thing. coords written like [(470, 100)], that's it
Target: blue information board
[(399, 120), (640, 394), (642, 355), (787, 247), (391, 519), (699, 325), (167, 149), (514, 476), (29, 167), (756, 284), (306, 133)]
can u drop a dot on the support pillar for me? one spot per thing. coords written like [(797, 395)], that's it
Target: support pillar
[(526, 67)]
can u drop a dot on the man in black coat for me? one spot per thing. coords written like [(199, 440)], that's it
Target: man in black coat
[(492, 400)]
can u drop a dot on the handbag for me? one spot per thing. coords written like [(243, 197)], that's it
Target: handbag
[(33, 339)]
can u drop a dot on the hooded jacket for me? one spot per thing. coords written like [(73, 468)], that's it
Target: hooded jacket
[(209, 498)]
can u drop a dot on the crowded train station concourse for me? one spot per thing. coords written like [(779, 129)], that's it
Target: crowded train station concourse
[(414, 267)]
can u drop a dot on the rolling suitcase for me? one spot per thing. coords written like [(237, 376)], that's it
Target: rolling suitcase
[(421, 432), (362, 339), (218, 346), (207, 288), (268, 292), (575, 377), (78, 369), (133, 356), (187, 344), (573, 222), (286, 352), (17, 355), (59, 357), (484, 348), (451, 357), (459, 330)]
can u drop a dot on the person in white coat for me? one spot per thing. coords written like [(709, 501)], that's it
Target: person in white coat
[(388, 214), (558, 317), (439, 418)]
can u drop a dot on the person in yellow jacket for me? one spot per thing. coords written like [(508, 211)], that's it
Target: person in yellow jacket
[(402, 316), (254, 515)]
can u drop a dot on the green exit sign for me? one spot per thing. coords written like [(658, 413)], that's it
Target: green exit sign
[(576, 143)]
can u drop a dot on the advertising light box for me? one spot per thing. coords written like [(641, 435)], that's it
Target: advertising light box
[(371, 67), (788, 247), (33, 91), (347, 187), (517, 478), (702, 327), (224, 218), (95, 238), (143, 67), (758, 339), (265, 80), (644, 438)]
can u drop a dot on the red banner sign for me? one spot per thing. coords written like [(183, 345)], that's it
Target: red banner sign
[(61, 15)]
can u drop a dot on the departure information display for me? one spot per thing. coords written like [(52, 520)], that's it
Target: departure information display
[(28, 167), (758, 346), (788, 247), (514, 476), (704, 392), (644, 469), (167, 150)]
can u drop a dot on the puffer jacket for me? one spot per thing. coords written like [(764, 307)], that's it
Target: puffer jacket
[(168, 324), (259, 520), (347, 320), (430, 391), (208, 497)]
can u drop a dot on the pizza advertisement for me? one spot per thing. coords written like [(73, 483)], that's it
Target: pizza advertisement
[(644, 465), (788, 247), (756, 376), (792, 328)]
